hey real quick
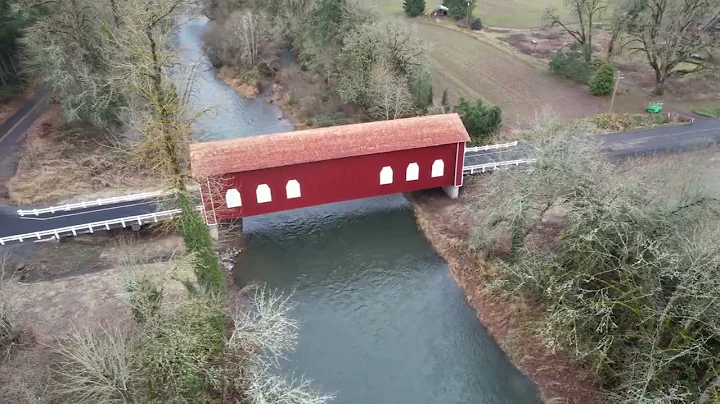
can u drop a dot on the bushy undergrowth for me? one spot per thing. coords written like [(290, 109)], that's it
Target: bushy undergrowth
[(625, 122), (631, 278), (189, 351), (571, 63)]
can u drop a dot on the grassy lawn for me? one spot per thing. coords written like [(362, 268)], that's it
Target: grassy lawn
[(496, 13), (711, 112)]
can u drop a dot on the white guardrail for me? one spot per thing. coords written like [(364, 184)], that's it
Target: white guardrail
[(481, 168), (97, 202), (91, 227), (491, 147)]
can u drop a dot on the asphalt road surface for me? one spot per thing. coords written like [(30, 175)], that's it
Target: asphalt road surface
[(13, 224), (622, 145)]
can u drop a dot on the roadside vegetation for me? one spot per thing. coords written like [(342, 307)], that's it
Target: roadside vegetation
[(710, 112), (626, 266)]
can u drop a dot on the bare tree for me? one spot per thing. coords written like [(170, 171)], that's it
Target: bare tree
[(244, 40), (668, 32), (391, 98), (586, 12), (68, 48)]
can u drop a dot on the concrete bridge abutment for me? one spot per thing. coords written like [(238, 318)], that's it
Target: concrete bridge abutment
[(219, 229), (452, 191)]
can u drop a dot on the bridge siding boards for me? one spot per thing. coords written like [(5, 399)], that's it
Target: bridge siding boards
[(333, 176)]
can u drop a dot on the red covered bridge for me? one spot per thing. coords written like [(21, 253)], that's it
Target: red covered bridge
[(263, 174)]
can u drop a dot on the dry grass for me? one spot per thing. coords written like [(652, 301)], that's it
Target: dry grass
[(54, 168)]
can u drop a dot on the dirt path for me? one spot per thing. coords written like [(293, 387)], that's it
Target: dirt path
[(471, 68)]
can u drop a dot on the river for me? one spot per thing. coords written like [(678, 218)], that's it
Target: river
[(382, 320)]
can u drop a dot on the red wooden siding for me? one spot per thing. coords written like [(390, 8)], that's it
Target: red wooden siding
[(336, 180)]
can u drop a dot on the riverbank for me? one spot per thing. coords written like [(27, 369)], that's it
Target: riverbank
[(512, 323)]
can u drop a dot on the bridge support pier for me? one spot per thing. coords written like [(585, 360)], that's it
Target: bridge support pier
[(214, 231), (453, 192), (227, 228)]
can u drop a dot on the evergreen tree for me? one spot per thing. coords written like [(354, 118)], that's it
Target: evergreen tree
[(480, 120), (414, 8), (459, 8), (604, 81)]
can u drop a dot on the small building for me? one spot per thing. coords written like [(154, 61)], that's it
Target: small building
[(440, 11), (271, 173)]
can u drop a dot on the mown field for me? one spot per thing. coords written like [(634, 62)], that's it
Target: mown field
[(472, 69), (500, 13)]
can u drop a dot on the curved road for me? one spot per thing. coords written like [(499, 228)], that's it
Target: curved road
[(621, 145)]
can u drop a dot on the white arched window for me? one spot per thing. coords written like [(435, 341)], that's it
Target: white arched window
[(386, 175), (232, 198), (438, 168), (263, 193), (413, 172), (292, 189)]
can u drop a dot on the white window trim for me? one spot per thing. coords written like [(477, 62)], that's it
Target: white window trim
[(263, 193), (412, 173), (386, 175), (292, 189), (233, 198), (438, 168)]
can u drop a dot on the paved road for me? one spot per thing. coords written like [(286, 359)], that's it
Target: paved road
[(11, 133), (628, 144), (621, 145), (12, 130), (12, 224)]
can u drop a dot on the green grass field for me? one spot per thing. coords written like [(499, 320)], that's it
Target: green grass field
[(496, 13)]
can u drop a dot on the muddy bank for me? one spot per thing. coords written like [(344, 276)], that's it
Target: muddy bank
[(244, 87), (512, 323)]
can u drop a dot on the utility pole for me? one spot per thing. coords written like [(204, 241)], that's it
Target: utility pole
[(618, 77), (467, 19)]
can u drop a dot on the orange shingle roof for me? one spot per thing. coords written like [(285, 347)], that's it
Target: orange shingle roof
[(258, 152)]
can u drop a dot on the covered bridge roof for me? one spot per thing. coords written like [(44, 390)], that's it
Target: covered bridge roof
[(306, 146)]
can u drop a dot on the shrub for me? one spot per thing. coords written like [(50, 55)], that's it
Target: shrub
[(199, 243), (414, 8), (95, 366), (144, 296), (603, 82), (177, 350), (572, 64), (476, 24), (480, 120)]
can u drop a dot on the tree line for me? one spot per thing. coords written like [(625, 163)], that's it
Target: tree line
[(108, 65), (666, 32), (371, 62)]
